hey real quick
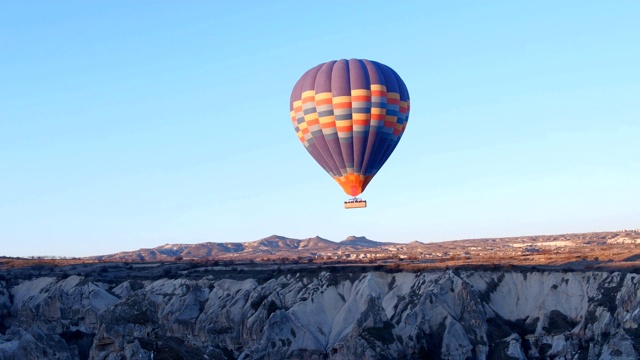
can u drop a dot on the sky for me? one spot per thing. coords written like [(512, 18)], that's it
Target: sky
[(132, 124)]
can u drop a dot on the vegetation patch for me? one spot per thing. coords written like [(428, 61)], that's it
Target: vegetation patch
[(499, 351), (271, 308), (81, 340), (492, 286), (168, 348), (634, 335), (499, 328), (544, 349), (559, 323), (339, 274), (608, 294), (382, 334), (219, 331), (257, 302), (392, 283), (430, 344)]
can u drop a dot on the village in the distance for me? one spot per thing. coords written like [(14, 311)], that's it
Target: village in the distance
[(614, 250)]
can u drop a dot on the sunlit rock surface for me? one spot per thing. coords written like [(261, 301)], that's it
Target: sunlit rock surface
[(336, 315)]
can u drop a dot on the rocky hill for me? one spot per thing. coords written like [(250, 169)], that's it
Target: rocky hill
[(183, 311), (269, 247)]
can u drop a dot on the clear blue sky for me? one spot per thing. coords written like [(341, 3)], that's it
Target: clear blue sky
[(129, 124)]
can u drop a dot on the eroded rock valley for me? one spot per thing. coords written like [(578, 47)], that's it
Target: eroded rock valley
[(448, 314)]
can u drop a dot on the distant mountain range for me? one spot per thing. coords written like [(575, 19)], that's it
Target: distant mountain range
[(359, 247), (267, 247)]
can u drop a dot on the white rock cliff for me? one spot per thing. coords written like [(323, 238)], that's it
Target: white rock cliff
[(336, 315)]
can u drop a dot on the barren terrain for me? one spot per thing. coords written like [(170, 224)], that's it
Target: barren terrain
[(614, 250)]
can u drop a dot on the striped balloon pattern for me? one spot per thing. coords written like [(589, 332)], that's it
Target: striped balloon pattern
[(350, 116)]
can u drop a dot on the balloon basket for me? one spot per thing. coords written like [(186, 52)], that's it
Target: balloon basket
[(355, 203)]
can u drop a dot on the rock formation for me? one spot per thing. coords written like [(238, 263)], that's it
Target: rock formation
[(448, 314)]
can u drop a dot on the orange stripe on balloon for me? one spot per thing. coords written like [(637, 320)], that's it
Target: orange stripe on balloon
[(344, 105), (363, 98), (358, 116), (323, 102)]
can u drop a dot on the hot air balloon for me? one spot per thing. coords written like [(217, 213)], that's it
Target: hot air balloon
[(350, 116)]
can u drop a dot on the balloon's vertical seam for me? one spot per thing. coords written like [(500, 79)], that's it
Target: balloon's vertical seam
[(397, 118), (342, 107), (319, 135), (389, 117), (308, 100), (377, 110), (327, 115)]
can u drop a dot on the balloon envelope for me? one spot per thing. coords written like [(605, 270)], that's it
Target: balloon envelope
[(350, 115)]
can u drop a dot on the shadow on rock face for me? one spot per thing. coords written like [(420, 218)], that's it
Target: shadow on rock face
[(81, 340)]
